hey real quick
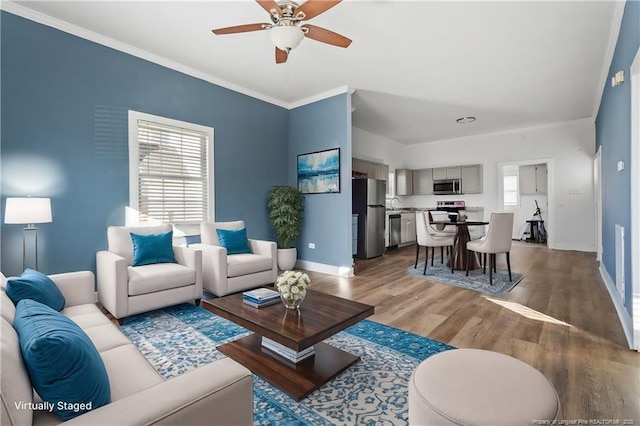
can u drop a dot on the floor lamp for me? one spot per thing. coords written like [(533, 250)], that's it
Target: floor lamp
[(28, 211)]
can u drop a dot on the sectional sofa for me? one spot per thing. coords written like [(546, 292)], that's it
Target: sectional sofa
[(218, 393)]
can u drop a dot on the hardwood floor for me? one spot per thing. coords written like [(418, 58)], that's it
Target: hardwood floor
[(559, 319)]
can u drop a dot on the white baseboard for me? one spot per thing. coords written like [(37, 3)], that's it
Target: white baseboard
[(338, 271), (574, 247), (623, 314)]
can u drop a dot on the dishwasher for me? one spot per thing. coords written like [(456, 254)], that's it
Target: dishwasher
[(394, 230)]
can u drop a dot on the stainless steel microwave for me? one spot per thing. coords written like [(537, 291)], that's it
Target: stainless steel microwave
[(446, 186)]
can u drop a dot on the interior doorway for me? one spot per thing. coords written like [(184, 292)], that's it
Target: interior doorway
[(635, 199), (597, 186), (525, 188)]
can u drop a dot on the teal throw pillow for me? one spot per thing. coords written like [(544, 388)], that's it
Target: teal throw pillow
[(152, 248), (234, 240), (64, 366), (36, 286)]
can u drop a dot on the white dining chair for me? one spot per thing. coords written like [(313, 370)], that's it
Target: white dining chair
[(497, 240), (425, 239)]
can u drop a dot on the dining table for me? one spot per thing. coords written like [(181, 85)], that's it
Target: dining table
[(458, 258)]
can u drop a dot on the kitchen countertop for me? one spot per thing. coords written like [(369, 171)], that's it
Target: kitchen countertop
[(418, 209)]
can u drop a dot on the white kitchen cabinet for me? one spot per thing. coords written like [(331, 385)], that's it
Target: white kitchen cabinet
[(407, 228), (452, 172), (423, 181), (471, 179), (404, 182), (532, 179)]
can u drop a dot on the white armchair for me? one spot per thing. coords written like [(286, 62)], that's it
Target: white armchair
[(224, 274), (126, 290)]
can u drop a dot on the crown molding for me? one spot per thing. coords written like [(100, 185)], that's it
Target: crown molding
[(75, 30), (616, 24), (320, 96)]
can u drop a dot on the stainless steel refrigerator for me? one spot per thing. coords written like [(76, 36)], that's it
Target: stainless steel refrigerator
[(368, 202)]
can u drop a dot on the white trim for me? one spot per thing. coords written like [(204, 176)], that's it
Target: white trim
[(338, 271), (573, 247), (616, 24), (133, 118), (597, 166), (320, 96), (635, 195), (75, 30), (623, 314)]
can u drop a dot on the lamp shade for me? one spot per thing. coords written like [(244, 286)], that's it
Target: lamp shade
[(286, 37), (27, 210)]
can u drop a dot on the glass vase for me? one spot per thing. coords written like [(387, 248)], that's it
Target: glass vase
[(293, 300)]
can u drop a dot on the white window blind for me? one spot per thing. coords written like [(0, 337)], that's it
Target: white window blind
[(172, 173), (511, 192)]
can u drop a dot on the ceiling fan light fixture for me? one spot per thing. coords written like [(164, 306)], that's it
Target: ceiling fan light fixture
[(286, 37)]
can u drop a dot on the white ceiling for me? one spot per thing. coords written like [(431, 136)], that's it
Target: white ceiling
[(416, 65)]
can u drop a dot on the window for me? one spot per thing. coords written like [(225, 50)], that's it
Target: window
[(170, 170), (511, 191)]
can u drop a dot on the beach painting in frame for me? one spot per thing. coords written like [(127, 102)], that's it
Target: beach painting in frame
[(319, 172)]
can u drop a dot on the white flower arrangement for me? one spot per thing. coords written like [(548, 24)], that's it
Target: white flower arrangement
[(292, 286)]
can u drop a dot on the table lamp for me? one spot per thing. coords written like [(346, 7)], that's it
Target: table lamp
[(28, 211)]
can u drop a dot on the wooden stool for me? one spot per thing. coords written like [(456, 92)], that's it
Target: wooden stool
[(478, 387)]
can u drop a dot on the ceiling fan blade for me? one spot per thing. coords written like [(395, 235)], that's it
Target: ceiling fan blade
[(281, 56), (313, 8), (240, 29), (269, 5), (325, 36)]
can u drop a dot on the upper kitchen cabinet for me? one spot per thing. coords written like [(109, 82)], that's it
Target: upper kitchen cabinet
[(533, 179), (404, 182), (471, 179), (359, 167), (373, 171), (423, 181), (440, 173), (369, 169)]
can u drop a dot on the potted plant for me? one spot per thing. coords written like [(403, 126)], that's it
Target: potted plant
[(286, 205)]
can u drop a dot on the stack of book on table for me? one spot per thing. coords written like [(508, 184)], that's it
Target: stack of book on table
[(260, 297)]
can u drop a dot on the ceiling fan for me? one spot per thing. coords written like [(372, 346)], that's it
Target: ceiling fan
[(286, 30)]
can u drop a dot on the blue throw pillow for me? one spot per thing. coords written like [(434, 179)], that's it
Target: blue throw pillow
[(36, 286), (152, 248), (234, 240), (64, 366)]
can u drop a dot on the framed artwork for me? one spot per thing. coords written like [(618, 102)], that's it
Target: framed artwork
[(319, 172)]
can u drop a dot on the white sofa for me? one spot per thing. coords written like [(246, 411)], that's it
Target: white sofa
[(225, 274), (218, 393), (126, 290)]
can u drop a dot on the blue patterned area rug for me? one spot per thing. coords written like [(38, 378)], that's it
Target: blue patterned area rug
[(475, 281), (372, 391)]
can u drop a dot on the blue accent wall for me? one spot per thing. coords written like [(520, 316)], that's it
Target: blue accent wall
[(314, 127), (64, 135), (613, 133)]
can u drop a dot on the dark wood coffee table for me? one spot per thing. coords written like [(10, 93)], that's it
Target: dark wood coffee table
[(320, 316)]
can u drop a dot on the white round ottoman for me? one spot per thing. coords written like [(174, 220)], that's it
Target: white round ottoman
[(477, 387)]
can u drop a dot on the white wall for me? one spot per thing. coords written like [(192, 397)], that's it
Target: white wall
[(372, 147), (570, 147)]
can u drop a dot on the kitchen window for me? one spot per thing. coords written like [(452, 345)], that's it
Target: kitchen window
[(510, 186), (170, 170)]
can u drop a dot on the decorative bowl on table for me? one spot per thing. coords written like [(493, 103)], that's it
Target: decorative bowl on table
[(292, 286)]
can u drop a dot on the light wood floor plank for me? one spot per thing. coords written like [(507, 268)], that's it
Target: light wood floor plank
[(559, 319)]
